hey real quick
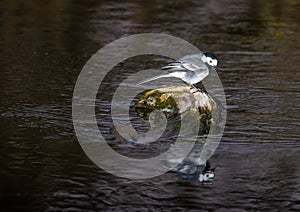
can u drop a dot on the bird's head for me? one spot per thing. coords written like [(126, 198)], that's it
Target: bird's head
[(210, 59)]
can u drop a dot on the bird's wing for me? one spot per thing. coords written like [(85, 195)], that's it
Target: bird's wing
[(174, 66), (193, 62), (190, 66), (181, 66)]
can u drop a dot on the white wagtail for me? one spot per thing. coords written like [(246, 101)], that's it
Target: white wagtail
[(191, 69)]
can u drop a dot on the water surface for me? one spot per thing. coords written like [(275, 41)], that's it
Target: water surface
[(45, 44)]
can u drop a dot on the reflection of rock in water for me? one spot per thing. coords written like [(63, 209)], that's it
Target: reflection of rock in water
[(182, 102)]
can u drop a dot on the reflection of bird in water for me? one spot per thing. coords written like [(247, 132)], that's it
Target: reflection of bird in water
[(191, 69), (202, 173)]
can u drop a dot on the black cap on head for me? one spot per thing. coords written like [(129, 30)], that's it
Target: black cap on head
[(207, 54)]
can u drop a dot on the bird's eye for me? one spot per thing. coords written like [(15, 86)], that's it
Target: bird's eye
[(210, 61), (207, 175)]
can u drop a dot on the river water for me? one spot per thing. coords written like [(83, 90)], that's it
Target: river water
[(45, 44)]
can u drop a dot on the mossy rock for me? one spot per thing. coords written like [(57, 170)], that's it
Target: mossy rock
[(176, 101)]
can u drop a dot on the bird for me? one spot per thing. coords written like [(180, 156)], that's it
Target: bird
[(201, 173), (191, 69)]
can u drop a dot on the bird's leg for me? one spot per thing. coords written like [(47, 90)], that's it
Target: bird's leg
[(192, 87)]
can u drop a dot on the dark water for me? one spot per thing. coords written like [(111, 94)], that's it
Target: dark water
[(44, 45)]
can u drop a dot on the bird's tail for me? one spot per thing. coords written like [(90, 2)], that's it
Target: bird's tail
[(154, 78)]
